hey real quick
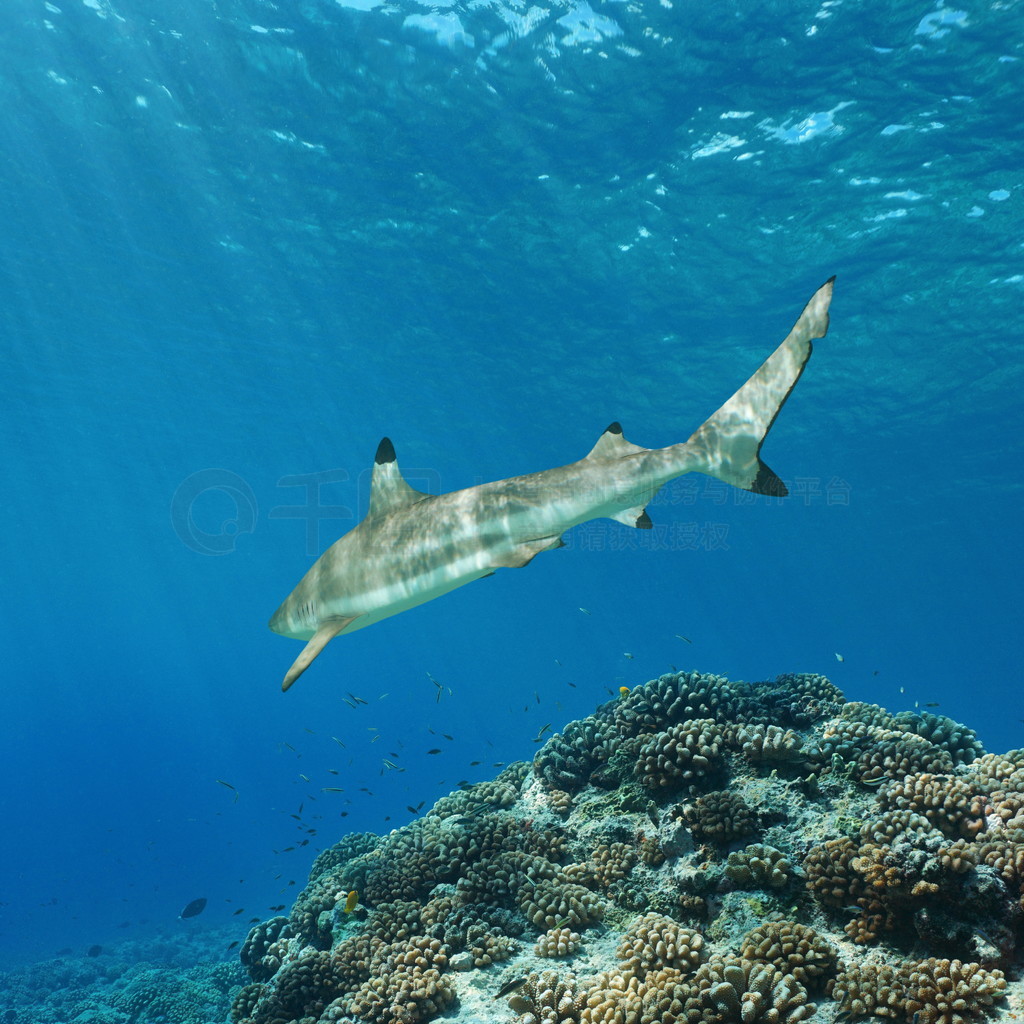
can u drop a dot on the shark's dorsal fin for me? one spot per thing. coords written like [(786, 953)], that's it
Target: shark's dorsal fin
[(612, 445), (388, 489)]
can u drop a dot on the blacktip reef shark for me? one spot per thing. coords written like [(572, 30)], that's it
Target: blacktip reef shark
[(413, 547)]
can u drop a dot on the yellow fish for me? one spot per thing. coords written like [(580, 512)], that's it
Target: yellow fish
[(623, 690), (351, 901)]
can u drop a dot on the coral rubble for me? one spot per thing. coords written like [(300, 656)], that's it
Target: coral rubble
[(699, 851)]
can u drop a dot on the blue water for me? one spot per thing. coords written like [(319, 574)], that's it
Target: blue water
[(242, 241)]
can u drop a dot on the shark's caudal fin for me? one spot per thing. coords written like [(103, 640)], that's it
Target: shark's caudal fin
[(729, 443)]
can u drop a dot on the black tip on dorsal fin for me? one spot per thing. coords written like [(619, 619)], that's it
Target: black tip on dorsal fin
[(385, 452), (614, 428)]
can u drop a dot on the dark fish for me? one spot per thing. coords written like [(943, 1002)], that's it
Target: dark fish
[(194, 908), (930, 704), (233, 945), (240, 910), (280, 906), (447, 737), (512, 986), (254, 920), (411, 809), (434, 751), (94, 951)]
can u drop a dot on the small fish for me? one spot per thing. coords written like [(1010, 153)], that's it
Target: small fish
[(410, 808), (305, 778), (358, 700), (543, 729), (447, 737), (240, 910), (626, 654), (310, 731), (331, 789), (194, 908), (388, 764), (518, 983), (229, 786), (351, 901), (930, 704), (291, 748), (436, 750), (903, 689), (349, 703), (336, 740), (623, 691), (839, 657), (584, 610), (254, 920), (280, 906), (685, 639), (473, 764), (94, 951), (873, 782), (233, 945)]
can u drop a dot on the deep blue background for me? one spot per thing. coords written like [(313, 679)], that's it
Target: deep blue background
[(252, 239)]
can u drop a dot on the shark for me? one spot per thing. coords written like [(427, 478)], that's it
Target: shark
[(413, 547)]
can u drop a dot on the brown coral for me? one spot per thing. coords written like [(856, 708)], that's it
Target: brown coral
[(720, 817), (681, 755)]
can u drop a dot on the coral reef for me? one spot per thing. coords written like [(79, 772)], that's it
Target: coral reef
[(698, 850)]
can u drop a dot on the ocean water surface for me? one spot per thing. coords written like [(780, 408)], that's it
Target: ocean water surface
[(241, 241)]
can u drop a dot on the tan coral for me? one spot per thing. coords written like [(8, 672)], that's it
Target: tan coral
[(870, 990), (793, 948), (654, 942), (768, 743), (758, 866), (557, 942), (951, 992)]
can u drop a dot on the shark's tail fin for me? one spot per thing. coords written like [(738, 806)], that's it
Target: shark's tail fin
[(728, 445)]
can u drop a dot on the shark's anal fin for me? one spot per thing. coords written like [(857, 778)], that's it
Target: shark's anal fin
[(524, 554), (388, 488), (636, 517), (323, 636)]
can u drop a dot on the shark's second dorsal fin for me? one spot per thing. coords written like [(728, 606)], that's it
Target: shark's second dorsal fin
[(612, 445), (388, 489)]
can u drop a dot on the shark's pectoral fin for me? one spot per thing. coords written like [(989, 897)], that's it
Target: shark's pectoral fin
[(321, 638), (636, 517), (524, 554)]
